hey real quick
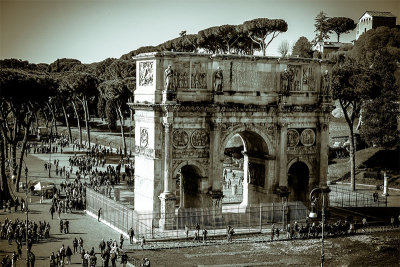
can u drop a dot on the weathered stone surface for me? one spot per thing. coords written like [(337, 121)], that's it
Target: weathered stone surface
[(278, 107)]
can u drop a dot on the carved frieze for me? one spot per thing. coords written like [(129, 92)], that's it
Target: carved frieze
[(146, 73), (200, 138), (293, 137), (190, 153), (302, 150), (144, 137), (147, 152), (180, 138), (308, 137)]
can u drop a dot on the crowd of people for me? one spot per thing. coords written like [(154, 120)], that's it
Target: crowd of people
[(16, 230)]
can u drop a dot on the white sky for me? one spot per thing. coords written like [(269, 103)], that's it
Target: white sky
[(92, 30)]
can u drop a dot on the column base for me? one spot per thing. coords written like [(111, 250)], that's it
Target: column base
[(167, 211)]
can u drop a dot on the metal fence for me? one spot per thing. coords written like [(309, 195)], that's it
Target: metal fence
[(343, 197), (116, 214), (253, 218)]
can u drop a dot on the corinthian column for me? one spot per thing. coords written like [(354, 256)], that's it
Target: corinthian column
[(167, 198), (167, 158)]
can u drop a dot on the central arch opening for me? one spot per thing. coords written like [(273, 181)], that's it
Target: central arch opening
[(298, 179), (189, 187), (244, 168)]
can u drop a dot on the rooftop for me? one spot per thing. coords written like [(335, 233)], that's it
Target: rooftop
[(379, 14)]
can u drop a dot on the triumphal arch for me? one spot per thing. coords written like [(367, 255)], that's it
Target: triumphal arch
[(188, 106)]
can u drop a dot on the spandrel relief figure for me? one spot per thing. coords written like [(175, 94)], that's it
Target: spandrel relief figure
[(218, 80)]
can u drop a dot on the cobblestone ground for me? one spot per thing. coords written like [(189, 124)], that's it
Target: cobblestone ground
[(378, 248)]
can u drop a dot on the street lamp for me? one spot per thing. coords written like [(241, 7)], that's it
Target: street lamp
[(283, 192), (315, 194), (27, 210)]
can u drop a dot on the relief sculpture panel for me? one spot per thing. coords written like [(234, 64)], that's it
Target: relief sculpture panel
[(295, 81), (199, 139), (308, 78), (199, 76), (308, 137), (180, 138), (146, 73), (293, 137)]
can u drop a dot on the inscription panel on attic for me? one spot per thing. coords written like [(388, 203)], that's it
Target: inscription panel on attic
[(253, 76)]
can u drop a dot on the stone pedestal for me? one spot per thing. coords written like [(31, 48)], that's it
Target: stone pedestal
[(167, 216)]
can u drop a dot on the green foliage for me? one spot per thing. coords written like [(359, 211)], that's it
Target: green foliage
[(63, 64), (80, 84), (140, 50), (111, 116), (373, 41), (380, 112), (22, 89), (302, 48), (184, 43), (208, 39), (321, 27), (341, 25), (259, 29), (101, 105), (284, 48)]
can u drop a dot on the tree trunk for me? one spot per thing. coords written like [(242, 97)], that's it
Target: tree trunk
[(86, 109), (13, 163), (352, 153), (338, 35), (121, 120), (67, 123), (4, 189), (21, 157), (55, 119), (352, 161), (79, 123)]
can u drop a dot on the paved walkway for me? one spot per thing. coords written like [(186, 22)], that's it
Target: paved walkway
[(81, 225)]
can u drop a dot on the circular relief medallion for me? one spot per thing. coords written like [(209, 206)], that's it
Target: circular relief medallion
[(199, 139), (144, 137), (292, 137), (308, 137), (180, 138)]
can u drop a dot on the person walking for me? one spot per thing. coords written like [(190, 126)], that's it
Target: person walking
[(204, 235), (131, 235), (143, 242), (272, 232), (53, 262), (68, 254), (75, 245), (52, 210), (98, 215), (121, 241), (102, 246), (187, 231), (31, 259)]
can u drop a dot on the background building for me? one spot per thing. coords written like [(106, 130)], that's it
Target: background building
[(374, 19)]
